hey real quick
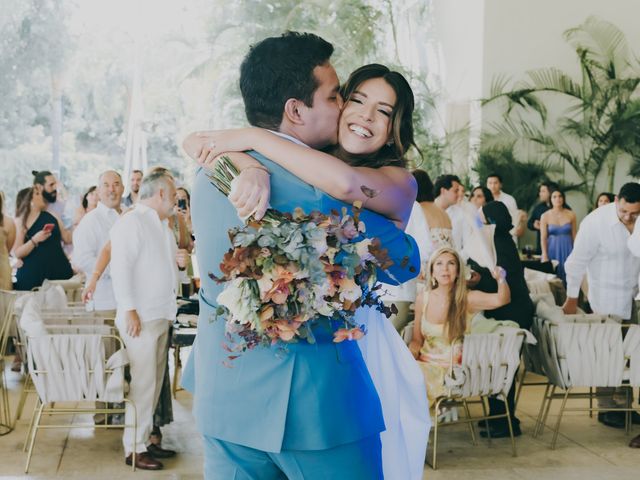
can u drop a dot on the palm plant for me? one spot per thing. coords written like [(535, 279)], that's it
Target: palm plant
[(601, 122)]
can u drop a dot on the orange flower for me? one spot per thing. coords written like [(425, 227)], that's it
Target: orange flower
[(287, 330), (347, 334)]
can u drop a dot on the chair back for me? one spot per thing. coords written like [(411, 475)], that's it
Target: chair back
[(70, 364), (489, 363)]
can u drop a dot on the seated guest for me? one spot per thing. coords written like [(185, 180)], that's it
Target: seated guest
[(557, 233), (38, 242), (144, 276), (520, 309), (89, 202), (444, 309), (604, 199)]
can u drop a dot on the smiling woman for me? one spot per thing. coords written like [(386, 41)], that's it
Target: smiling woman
[(375, 131)]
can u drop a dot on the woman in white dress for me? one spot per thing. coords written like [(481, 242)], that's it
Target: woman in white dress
[(375, 131)]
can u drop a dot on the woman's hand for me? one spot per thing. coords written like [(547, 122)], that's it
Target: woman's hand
[(41, 236), (499, 273), (213, 143)]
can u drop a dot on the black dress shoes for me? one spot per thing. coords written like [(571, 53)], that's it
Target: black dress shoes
[(501, 431), (144, 461), (616, 419), (158, 452)]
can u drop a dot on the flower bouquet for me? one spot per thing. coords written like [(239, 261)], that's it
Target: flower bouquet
[(286, 271)]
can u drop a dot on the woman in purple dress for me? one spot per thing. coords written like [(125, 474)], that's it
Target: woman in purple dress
[(557, 232)]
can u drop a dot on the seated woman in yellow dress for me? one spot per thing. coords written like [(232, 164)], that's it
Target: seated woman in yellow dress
[(444, 310)]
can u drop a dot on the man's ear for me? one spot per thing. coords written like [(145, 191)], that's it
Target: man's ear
[(293, 109)]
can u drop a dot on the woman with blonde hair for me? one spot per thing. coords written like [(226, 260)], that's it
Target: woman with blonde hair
[(444, 309)]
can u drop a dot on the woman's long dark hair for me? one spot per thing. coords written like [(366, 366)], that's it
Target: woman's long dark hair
[(401, 117), (23, 204), (85, 202)]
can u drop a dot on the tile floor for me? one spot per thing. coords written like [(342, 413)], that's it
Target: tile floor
[(586, 450)]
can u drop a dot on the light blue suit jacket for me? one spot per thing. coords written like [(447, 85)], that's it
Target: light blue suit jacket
[(313, 396)]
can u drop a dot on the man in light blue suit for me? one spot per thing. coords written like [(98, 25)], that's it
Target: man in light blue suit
[(313, 411)]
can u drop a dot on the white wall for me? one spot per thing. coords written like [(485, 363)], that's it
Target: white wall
[(459, 28)]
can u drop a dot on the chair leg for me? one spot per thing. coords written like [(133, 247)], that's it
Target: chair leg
[(33, 417), (537, 426), (519, 388), (546, 413), (6, 425), (486, 422), (472, 428), (557, 429), (176, 369), (32, 441), (627, 414), (590, 402), (23, 397), (513, 440), (434, 464)]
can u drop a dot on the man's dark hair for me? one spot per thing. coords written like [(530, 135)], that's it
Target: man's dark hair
[(551, 186), (425, 186), (495, 175), (630, 192), (277, 69), (138, 171), (39, 177), (446, 182)]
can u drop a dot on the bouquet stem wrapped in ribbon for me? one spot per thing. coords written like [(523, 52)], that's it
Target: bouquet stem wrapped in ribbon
[(288, 270)]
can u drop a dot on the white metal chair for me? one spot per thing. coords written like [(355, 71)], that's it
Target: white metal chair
[(489, 364), (586, 351), (70, 364)]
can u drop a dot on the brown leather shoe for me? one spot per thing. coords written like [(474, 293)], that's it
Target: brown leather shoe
[(635, 442), (157, 451), (144, 461)]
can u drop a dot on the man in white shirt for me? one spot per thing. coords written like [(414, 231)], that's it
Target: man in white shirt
[(601, 252), (144, 274), (494, 184), (92, 233)]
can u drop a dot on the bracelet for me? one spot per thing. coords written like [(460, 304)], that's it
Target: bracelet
[(259, 167), (35, 244)]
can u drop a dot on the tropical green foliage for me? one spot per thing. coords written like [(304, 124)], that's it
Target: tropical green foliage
[(601, 122), (67, 87), (520, 179)]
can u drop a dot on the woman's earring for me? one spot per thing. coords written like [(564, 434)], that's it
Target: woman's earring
[(434, 282)]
